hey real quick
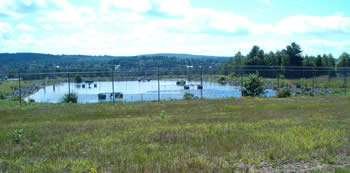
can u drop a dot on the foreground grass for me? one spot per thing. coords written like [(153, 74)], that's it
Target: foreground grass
[(189, 136)]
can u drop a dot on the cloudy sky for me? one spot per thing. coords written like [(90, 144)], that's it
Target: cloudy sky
[(209, 27)]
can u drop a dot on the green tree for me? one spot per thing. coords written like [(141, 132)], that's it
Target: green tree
[(318, 61), (344, 60), (294, 54), (239, 59), (78, 79), (253, 86), (256, 56)]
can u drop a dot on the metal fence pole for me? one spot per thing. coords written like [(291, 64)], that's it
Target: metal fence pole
[(201, 83), (68, 84), (113, 86), (278, 80), (20, 89), (313, 81), (329, 74), (158, 86), (241, 84), (345, 81)]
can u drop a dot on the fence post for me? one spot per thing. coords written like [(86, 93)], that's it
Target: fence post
[(113, 86), (241, 84), (68, 84), (329, 74), (313, 81), (158, 86), (345, 81), (20, 89), (201, 83), (278, 80)]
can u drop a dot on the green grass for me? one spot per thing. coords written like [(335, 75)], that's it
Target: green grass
[(8, 87), (194, 136)]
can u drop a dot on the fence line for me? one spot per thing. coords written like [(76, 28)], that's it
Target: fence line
[(270, 72)]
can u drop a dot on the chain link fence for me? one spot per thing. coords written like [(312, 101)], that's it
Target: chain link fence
[(165, 84)]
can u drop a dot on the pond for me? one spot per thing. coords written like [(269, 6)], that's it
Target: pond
[(134, 91)]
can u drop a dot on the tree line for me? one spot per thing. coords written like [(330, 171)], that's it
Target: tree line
[(12, 64), (289, 58)]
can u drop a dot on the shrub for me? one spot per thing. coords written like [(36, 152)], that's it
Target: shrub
[(189, 96), (222, 79), (78, 79), (284, 92), (18, 135), (163, 115), (2, 96), (181, 83), (70, 98), (17, 98), (307, 91), (253, 86)]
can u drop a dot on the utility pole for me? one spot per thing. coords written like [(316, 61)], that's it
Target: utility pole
[(113, 85), (20, 89), (158, 86)]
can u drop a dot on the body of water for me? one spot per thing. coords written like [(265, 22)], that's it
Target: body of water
[(134, 91)]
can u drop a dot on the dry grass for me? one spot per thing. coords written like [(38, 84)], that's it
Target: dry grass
[(195, 136)]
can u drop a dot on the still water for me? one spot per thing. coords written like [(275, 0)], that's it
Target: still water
[(134, 91)]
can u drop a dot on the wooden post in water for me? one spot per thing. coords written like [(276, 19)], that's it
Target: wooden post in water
[(313, 81), (68, 84), (202, 83), (20, 89), (278, 80), (113, 85), (241, 84), (158, 86)]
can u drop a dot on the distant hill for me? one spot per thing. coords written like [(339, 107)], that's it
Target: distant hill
[(180, 55), (29, 62)]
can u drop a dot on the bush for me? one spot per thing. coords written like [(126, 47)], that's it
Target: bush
[(284, 92), (222, 79), (2, 96), (70, 98), (78, 79), (189, 96), (163, 115), (253, 86), (18, 135), (17, 98)]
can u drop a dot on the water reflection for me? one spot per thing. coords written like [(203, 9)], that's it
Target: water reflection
[(133, 91)]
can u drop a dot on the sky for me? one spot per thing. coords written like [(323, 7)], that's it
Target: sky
[(205, 27)]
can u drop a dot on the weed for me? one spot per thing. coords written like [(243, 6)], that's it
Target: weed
[(284, 92), (18, 135), (70, 98), (163, 115)]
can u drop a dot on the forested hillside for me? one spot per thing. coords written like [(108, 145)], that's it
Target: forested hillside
[(32, 62)]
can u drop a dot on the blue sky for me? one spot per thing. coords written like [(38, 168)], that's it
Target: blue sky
[(209, 27)]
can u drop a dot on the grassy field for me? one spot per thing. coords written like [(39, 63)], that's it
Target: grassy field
[(260, 134)]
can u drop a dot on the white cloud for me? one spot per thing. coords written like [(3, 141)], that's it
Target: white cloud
[(136, 5), (25, 27), (313, 24), (48, 27), (70, 17), (10, 14), (121, 27), (178, 7), (5, 30)]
